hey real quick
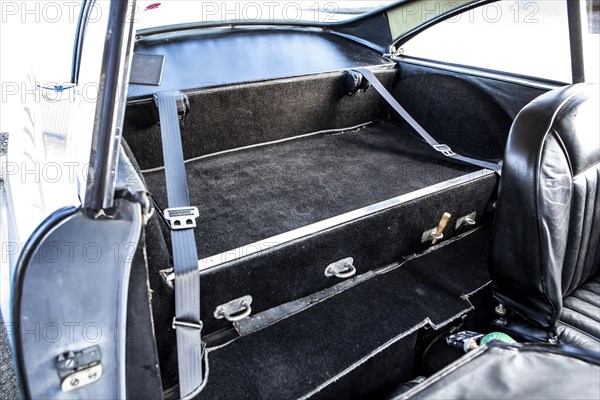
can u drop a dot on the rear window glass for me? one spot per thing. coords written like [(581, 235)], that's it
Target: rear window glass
[(170, 12), (516, 36)]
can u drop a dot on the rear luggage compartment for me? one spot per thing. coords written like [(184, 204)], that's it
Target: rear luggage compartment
[(291, 176), (287, 187)]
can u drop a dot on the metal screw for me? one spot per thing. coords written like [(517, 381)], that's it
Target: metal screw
[(70, 363), (74, 382), (93, 375), (500, 309)]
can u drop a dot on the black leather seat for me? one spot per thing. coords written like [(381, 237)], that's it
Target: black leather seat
[(514, 371), (545, 256)]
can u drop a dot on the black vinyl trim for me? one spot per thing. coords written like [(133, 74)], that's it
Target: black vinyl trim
[(545, 348), (31, 245)]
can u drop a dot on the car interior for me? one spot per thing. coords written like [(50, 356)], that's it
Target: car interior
[(337, 250), (308, 212)]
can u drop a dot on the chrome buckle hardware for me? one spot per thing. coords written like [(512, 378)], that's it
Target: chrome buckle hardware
[(444, 149), (187, 324), (182, 217)]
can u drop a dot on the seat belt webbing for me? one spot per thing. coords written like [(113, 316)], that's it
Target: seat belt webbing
[(442, 148), (182, 220)]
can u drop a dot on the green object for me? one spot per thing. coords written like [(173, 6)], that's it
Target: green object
[(503, 337)]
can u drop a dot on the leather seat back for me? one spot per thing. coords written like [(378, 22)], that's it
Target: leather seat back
[(547, 228)]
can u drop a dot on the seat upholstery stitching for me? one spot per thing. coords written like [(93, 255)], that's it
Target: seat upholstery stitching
[(578, 330), (590, 288), (581, 313), (574, 296)]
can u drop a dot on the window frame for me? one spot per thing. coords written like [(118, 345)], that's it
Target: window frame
[(574, 16)]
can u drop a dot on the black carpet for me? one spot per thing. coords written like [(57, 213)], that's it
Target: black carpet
[(456, 113), (249, 195), (297, 355), (236, 116)]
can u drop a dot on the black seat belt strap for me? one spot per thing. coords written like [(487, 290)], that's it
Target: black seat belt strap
[(182, 221), (442, 148)]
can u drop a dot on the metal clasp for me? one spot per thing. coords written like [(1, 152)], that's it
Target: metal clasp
[(183, 107), (466, 221), (341, 269), (235, 310), (182, 217), (187, 324), (444, 149)]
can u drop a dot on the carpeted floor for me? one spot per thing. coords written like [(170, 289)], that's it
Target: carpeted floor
[(295, 356), (249, 195)]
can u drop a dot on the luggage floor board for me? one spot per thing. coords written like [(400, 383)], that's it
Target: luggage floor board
[(251, 194)]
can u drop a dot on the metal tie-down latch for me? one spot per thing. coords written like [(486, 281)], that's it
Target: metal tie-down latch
[(235, 310), (436, 234), (341, 269)]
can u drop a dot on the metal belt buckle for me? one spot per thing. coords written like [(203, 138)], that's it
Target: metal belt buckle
[(182, 217), (444, 149), (187, 324)]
